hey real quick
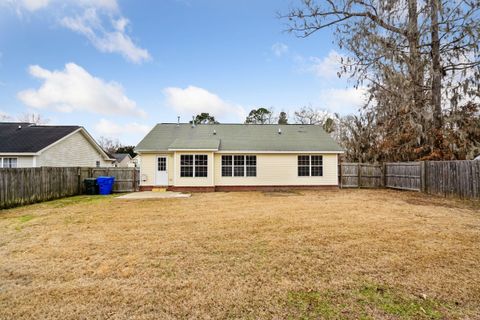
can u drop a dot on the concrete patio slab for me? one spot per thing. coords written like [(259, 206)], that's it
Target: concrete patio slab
[(153, 195)]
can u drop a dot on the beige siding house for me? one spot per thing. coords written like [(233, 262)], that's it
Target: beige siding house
[(237, 157), (24, 145), (123, 160)]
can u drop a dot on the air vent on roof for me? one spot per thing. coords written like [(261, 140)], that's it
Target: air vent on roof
[(214, 132), (279, 131)]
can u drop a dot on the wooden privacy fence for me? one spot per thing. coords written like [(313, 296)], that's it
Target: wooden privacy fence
[(444, 178), (404, 175), (365, 175), (22, 186), (126, 179)]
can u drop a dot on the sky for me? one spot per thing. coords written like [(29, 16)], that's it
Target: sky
[(118, 67)]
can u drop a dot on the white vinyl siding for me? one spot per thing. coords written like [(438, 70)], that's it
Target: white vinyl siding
[(280, 169), (74, 151), (148, 168), (270, 169), (22, 161)]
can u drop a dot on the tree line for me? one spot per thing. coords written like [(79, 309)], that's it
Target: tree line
[(420, 62)]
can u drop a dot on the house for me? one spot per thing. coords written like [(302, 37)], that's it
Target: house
[(237, 157), (25, 145), (136, 161), (123, 160)]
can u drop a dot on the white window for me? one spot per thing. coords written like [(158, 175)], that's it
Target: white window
[(194, 165), (310, 166), (239, 166), (8, 163)]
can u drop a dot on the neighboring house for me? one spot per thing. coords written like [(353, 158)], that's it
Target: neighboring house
[(477, 158), (237, 157), (123, 160), (137, 160), (25, 145)]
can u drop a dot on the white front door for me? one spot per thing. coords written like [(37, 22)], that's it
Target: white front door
[(161, 178)]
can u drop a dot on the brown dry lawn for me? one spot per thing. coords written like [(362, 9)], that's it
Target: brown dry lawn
[(349, 254)]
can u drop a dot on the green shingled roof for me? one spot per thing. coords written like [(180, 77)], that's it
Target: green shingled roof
[(191, 144), (237, 137)]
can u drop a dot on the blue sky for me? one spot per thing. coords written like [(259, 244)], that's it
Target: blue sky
[(118, 67)]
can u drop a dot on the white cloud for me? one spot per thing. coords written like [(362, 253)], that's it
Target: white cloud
[(194, 100), (326, 67), (279, 49), (114, 40), (343, 101), (35, 5), (74, 89), (112, 130), (100, 21)]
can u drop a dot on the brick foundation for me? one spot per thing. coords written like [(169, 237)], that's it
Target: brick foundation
[(273, 188), (191, 189), (240, 188)]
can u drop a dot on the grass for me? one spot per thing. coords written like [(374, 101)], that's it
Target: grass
[(349, 254)]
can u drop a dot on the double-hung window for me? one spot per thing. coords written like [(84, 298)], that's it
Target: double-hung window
[(251, 166), (310, 166), (201, 165), (8, 162), (239, 166), (193, 165)]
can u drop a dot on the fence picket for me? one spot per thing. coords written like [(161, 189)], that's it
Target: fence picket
[(444, 178), (21, 186)]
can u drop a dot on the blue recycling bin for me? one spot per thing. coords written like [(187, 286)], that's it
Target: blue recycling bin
[(105, 185)]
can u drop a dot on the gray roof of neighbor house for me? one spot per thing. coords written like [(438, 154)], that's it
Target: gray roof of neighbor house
[(24, 137), (238, 137), (120, 156)]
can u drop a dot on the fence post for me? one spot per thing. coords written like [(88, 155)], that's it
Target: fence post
[(423, 186), (340, 174), (79, 177), (359, 174), (384, 174)]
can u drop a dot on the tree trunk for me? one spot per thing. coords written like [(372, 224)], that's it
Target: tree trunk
[(436, 68), (415, 65)]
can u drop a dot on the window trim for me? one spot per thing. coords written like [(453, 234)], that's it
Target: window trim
[(193, 165), (3, 162), (232, 165), (310, 165)]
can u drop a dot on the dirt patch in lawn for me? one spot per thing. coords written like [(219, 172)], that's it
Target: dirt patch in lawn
[(347, 254)]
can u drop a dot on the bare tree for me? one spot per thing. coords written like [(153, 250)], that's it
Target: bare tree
[(109, 145), (418, 59), (33, 117), (5, 117)]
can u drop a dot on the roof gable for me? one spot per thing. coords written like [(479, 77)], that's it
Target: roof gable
[(18, 137), (238, 137), (121, 156)]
